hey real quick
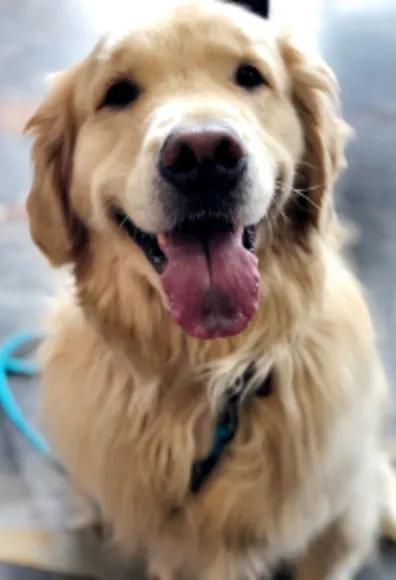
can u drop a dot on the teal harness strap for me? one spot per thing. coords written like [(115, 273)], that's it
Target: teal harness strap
[(226, 428), (11, 364)]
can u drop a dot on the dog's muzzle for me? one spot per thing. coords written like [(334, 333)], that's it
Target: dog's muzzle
[(206, 259)]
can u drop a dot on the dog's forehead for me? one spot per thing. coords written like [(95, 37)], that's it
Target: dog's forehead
[(187, 28)]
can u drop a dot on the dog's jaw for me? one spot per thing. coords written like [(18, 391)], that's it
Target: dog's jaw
[(209, 273)]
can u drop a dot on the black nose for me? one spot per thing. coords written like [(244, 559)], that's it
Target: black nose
[(202, 159)]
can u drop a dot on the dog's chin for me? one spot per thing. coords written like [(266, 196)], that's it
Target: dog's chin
[(208, 269)]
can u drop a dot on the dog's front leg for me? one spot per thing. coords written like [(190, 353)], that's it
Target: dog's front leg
[(343, 548), (234, 566), (157, 571), (166, 561)]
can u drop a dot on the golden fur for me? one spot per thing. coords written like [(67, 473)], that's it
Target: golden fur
[(130, 399)]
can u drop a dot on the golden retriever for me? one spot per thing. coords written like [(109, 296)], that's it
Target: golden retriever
[(185, 170)]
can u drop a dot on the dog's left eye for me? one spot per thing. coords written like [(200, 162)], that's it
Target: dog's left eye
[(249, 77), (120, 95)]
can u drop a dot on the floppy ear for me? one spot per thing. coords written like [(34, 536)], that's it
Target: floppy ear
[(315, 95), (53, 226)]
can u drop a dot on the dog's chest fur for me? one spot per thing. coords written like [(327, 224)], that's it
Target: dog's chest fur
[(133, 450), (262, 485)]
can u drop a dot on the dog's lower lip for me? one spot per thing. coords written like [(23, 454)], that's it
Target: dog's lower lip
[(146, 242), (249, 237)]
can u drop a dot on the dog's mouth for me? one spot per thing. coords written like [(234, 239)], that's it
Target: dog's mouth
[(209, 272)]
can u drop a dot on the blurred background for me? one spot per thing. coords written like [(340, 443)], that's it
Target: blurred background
[(47, 528)]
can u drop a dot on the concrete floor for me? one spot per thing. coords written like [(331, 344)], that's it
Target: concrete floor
[(8, 572), (358, 39)]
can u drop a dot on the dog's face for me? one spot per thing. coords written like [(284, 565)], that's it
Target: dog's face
[(179, 138)]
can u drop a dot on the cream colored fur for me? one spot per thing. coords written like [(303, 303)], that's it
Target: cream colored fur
[(130, 400)]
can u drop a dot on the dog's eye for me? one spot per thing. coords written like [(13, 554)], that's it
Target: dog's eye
[(249, 77), (119, 95)]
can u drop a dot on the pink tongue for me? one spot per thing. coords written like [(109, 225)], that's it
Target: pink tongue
[(212, 285)]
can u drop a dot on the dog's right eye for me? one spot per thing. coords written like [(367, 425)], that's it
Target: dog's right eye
[(120, 95)]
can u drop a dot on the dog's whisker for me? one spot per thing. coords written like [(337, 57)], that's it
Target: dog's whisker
[(308, 165), (310, 188), (123, 222), (301, 194)]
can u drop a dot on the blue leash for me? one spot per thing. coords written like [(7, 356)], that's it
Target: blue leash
[(14, 365)]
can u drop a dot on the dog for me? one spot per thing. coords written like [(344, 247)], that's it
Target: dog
[(211, 377)]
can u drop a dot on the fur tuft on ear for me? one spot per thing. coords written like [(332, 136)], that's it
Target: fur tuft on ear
[(316, 98), (53, 226)]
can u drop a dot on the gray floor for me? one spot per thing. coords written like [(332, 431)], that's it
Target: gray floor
[(358, 38), (8, 572)]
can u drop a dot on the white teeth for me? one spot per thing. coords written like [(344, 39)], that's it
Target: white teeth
[(162, 240)]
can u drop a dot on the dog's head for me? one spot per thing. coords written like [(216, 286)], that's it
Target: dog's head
[(181, 142)]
